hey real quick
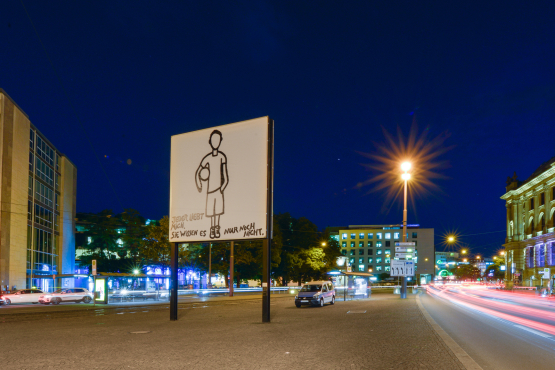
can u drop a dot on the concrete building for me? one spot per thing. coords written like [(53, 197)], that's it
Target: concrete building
[(370, 248), (529, 244), (447, 260), (38, 193)]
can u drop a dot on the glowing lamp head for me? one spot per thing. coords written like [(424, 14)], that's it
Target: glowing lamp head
[(136, 272), (323, 244), (451, 239), (405, 176), (406, 166)]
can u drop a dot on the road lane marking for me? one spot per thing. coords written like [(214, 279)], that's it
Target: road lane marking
[(356, 311)]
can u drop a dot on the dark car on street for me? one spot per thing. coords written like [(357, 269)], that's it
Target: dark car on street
[(316, 293)]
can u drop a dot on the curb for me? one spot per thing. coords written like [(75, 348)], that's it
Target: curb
[(461, 354)]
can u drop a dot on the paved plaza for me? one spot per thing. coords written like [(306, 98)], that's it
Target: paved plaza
[(382, 332)]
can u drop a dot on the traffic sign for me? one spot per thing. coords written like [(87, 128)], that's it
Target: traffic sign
[(404, 249), (399, 244), (402, 268), (404, 255), (546, 273)]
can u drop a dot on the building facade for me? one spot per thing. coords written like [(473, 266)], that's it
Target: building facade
[(38, 195), (530, 240), (370, 248)]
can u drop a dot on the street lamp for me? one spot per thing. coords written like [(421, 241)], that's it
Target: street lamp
[(405, 166), (323, 244)]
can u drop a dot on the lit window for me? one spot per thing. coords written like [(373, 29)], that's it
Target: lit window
[(378, 260), (361, 244), (343, 236), (353, 236), (396, 235), (344, 244), (352, 244), (388, 251), (371, 235), (387, 260), (370, 259), (89, 240), (352, 252), (344, 252), (378, 268), (379, 251), (378, 244), (387, 268), (369, 244), (388, 235), (379, 235), (361, 260), (361, 236), (361, 268)]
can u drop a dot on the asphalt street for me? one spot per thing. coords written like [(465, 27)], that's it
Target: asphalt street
[(498, 330), (382, 332)]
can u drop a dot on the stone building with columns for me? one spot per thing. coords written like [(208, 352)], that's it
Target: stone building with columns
[(530, 242)]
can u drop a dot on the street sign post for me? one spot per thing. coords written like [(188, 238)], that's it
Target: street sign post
[(93, 263), (404, 249), (405, 255), (402, 268), (407, 244)]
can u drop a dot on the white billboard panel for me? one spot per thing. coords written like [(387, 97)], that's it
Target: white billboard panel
[(219, 183)]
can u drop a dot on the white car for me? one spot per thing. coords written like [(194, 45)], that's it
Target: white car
[(67, 295), (24, 296)]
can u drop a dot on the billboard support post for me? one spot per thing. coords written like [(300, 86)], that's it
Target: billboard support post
[(267, 244), (231, 268), (173, 291)]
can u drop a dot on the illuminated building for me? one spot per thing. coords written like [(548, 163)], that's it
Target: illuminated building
[(370, 248), (38, 204), (529, 243)]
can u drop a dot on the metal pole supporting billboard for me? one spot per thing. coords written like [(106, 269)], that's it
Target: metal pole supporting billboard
[(173, 282), (231, 268), (267, 244)]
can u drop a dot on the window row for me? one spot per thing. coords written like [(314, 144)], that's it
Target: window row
[(368, 244), (44, 151), (44, 172), (396, 235), (361, 252), (44, 194), (43, 216)]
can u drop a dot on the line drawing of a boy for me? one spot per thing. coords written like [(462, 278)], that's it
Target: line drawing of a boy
[(215, 164)]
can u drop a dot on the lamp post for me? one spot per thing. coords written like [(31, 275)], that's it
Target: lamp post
[(406, 166)]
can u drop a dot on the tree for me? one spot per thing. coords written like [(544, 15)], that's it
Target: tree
[(464, 272), (155, 247)]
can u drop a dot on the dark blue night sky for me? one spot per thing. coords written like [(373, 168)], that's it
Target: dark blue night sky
[(330, 74)]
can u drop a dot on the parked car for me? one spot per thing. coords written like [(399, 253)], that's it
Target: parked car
[(316, 293), (67, 295), (23, 296)]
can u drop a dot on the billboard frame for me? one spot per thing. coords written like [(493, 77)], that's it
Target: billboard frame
[(266, 241)]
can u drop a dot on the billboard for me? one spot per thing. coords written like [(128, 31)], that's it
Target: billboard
[(219, 182)]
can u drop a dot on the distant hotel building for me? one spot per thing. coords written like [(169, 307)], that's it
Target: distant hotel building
[(529, 245), (37, 192), (370, 248)]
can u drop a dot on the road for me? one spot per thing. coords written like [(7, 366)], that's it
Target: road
[(382, 332), (499, 330)]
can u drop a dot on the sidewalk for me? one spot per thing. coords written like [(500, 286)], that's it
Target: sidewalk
[(382, 332)]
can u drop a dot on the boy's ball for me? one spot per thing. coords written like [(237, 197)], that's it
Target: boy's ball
[(204, 174)]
